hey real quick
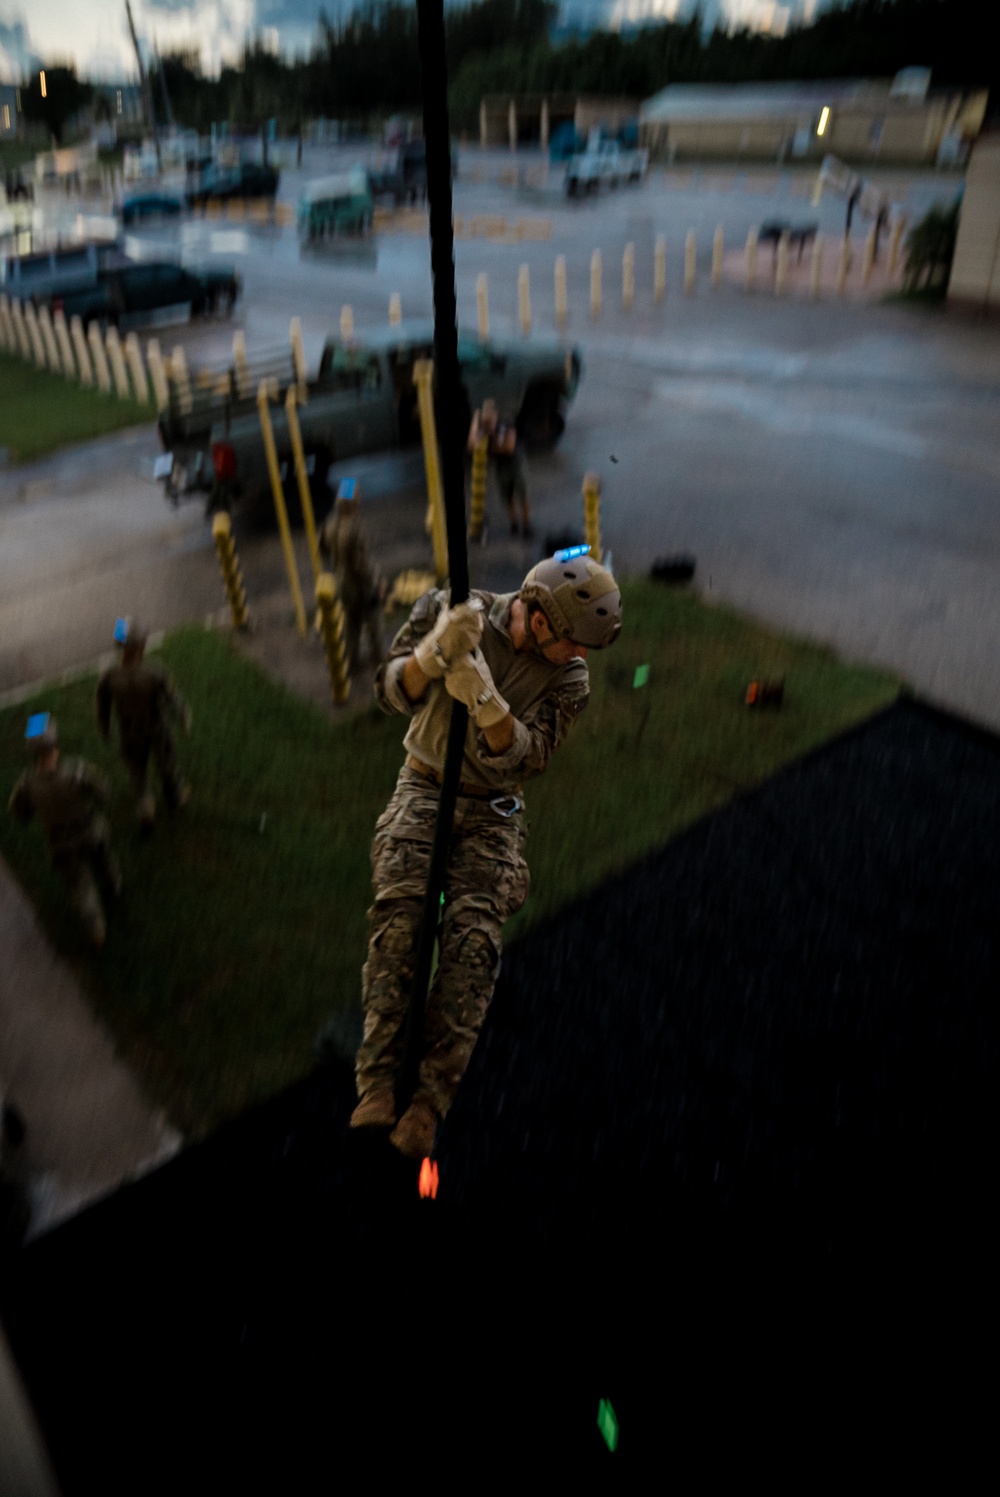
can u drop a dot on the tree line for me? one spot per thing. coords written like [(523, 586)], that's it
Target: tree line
[(366, 67)]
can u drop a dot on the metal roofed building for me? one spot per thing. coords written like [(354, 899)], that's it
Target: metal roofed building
[(859, 120), (975, 270)]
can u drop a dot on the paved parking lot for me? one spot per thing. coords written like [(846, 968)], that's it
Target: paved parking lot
[(832, 465)]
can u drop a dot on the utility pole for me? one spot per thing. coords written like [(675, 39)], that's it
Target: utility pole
[(147, 93)]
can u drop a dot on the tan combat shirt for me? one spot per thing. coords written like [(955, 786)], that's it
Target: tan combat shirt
[(544, 699), (64, 799)]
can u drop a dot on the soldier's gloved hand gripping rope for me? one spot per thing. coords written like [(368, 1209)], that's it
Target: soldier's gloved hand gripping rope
[(457, 632), (470, 681)]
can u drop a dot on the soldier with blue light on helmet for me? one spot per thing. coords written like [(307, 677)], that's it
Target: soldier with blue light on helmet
[(145, 699), (343, 543), (68, 797), (518, 663)]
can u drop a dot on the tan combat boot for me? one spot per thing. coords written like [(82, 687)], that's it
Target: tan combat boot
[(375, 1110), (414, 1134)]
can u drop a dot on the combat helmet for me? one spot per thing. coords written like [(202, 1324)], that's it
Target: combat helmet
[(578, 596), (42, 733)]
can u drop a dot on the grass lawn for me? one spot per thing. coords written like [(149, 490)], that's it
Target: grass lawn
[(243, 924), (40, 411)]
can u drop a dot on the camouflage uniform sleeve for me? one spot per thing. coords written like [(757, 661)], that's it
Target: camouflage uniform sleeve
[(104, 705), (540, 731), (389, 691), (171, 699), (20, 801)]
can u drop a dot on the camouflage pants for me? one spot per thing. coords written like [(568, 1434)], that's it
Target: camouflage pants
[(486, 882), (362, 620), (164, 752), (80, 867)]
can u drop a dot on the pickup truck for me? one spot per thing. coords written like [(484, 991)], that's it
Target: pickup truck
[(41, 276), (362, 400), (604, 162), (148, 291)]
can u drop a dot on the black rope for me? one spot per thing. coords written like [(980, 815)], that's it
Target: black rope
[(451, 404)]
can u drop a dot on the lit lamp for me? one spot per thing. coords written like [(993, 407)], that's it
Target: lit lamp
[(824, 120)]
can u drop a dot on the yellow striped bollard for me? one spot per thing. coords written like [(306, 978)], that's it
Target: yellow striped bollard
[(232, 577), (332, 628), (660, 269), (718, 253), (562, 311), (628, 277), (477, 500), (592, 513), (595, 284)]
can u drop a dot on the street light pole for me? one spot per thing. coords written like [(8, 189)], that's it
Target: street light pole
[(450, 403)]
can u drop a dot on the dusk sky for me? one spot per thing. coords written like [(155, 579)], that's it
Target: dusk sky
[(94, 33)]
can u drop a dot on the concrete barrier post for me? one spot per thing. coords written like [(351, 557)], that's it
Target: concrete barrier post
[(868, 262), (82, 351), (524, 300), (305, 493), (750, 270), (843, 263), (346, 323), (395, 309), (423, 375), (660, 269), (895, 239), (100, 359), (232, 577), (35, 336), (65, 346), (781, 265), (49, 339), (133, 356), (690, 263), (592, 513), (477, 498), (332, 628), (158, 375), (298, 360), (274, 472), (816, 268), (628, 277), (20, 330), (113, 346), (595, 284), (241, 368), (181, 380), (718, 250), (562, 309), (483, 307)]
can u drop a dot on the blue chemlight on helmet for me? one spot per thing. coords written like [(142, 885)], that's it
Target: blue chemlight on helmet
[(570, 553), (346, 489), (121, 631), (37, 725)]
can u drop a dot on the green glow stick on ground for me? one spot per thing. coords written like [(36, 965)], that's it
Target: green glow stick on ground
[(641, 675), (606, 1421)]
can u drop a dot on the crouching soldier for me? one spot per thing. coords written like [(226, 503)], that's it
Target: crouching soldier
[(518, 663), (67, 798), (145, 698)]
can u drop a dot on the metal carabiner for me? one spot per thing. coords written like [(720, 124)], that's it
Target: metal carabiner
[(497, 805)]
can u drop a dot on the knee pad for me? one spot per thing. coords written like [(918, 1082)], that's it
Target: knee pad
[(397, 936), (477, 951)]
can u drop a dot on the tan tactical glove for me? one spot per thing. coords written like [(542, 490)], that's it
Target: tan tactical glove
[(470, 681), (457, 631)]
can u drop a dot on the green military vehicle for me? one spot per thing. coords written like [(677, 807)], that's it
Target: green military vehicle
[(362, 400)]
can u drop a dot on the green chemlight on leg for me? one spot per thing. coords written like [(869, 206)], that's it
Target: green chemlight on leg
[(607, 1423)]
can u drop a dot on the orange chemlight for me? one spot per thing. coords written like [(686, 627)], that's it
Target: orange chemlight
[(428, 1180)]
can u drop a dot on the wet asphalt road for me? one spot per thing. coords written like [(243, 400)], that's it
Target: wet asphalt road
[(833, 466)]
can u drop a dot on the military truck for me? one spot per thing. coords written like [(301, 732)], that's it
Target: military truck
[(362, 400)]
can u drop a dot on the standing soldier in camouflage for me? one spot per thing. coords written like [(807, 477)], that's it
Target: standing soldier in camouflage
[(506, 450), (67, 798), (144, 697), (518, 663), (342, 541)]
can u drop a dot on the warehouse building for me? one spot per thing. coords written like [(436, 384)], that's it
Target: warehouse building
[(975, 270), (530, 119), (900, 121)]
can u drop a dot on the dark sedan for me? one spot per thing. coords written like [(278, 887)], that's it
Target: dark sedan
[(153, 291), (144, 206)]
